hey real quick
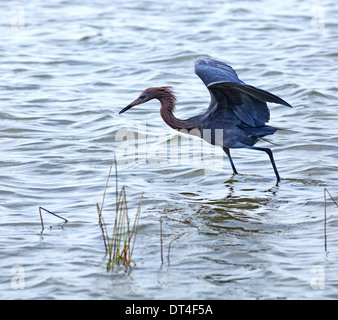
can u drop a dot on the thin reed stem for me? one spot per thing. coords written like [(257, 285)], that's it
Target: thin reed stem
[(135, 228), (161, 240), (102, 226), (170, 243), (54, 214), (325, 218)]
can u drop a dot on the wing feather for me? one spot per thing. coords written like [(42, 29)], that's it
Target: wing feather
[(247, 102)]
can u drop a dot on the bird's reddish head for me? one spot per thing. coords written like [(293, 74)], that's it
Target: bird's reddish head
[(149, 94)]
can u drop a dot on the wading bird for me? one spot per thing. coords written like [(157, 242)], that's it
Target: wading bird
[(236, 115)]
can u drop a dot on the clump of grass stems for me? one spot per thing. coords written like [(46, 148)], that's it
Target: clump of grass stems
[(120, 245)]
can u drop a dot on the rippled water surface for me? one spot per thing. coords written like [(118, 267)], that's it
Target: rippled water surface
[(68, 67)]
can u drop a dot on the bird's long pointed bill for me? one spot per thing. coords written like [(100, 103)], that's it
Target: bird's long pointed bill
[(134, 103), (126, 108)]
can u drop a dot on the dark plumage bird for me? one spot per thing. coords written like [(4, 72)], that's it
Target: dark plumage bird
[(237, 114)]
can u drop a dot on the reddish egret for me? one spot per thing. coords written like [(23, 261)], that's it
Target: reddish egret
[(236, 115)]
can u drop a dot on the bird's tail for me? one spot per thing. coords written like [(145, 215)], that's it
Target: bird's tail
[(261, 132)]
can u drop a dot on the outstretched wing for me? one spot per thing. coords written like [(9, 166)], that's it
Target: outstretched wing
[(227, 90)]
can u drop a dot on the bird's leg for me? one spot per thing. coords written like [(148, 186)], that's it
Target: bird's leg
[(269, 152), (227, 151)]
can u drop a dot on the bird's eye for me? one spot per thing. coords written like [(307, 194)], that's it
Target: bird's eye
[(143, 96)]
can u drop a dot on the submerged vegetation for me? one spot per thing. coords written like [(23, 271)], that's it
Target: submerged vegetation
[(120, 245)]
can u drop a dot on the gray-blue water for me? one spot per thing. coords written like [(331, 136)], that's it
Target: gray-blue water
[(68, 67)]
